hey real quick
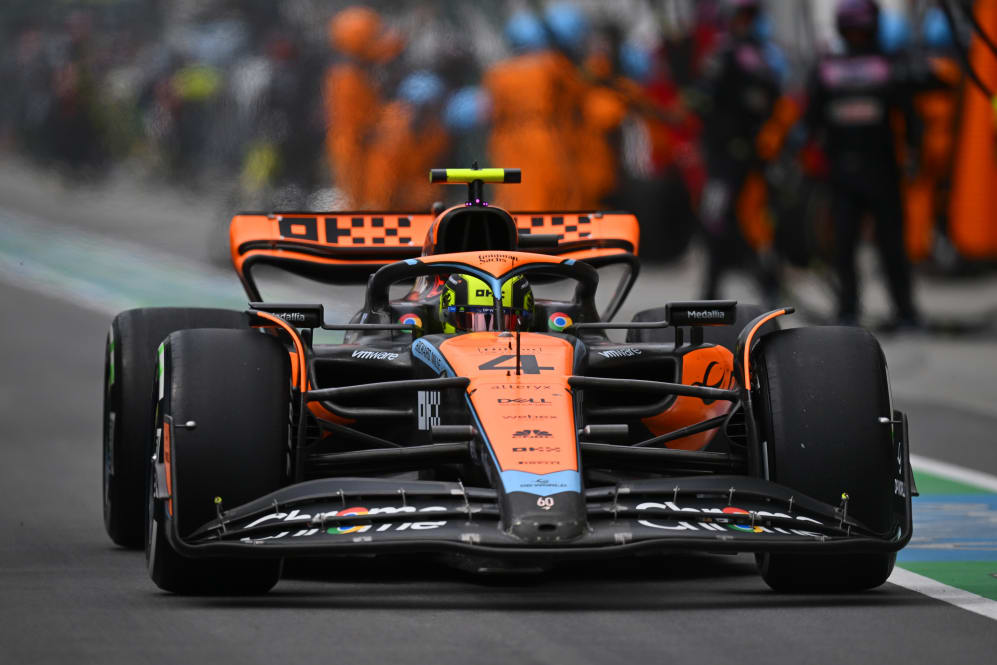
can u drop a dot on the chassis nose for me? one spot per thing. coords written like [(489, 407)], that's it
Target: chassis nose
[(540, 520)]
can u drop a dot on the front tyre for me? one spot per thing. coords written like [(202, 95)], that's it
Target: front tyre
[(234, 386), (821, 392), (129, 382)]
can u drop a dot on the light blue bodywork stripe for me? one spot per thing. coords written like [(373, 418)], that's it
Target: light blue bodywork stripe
[(542, 484)]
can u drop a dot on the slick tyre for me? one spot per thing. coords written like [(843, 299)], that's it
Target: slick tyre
[(821, 392), (725, 336), (234, 385), (129, 368)]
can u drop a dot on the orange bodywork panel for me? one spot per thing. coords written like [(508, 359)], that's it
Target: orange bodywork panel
[(495, 264), (329, 238), (316, 408), (299, 376), (336, 241), (712, 367), (528, 418), (581, 226)]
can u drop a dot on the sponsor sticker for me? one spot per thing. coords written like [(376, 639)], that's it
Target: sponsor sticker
[(430, 355), (558, 321), (364, 354), (520, 386), (496, 258), (531, 434), (404, 512), (525, 401), (622, 352), (705, 314), (429, 409), (713, 519), (488, 350), (410, 320)]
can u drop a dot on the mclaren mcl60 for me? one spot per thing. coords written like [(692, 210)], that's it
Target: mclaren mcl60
[(235, 439)]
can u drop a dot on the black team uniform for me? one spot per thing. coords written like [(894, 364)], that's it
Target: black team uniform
[(852, 98), (742, 88)]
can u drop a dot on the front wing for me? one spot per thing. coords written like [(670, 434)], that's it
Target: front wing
[(702, 513)]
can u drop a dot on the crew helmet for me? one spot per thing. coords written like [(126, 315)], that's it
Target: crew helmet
[(858, 15), (525, 33)]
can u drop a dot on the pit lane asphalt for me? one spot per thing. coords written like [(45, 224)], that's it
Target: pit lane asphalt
[(66, 593)]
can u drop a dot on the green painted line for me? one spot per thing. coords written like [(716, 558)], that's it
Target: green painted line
[(928, 483), (955, 563), (979, 577), (110, 364)]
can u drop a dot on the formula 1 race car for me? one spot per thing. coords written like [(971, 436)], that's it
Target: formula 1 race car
[(475, 419)]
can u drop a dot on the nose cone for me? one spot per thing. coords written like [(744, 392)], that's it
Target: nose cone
[(545, 520)]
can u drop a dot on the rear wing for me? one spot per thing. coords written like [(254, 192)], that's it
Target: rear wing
[(346, 247)]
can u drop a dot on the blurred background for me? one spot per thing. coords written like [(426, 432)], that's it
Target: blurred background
[(730, 127)]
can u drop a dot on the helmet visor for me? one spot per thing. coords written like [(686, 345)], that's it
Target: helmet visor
[(478, 318)]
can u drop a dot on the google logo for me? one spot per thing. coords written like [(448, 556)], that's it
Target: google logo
[(558, 321), (731, 510), (359, 510)]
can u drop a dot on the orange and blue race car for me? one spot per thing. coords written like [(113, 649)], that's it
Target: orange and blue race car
[(477, 418)]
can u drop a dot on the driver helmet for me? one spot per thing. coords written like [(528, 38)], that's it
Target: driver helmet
[(468, 304)]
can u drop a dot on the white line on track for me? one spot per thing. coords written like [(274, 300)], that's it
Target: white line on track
[(935, 589), (952, 472)]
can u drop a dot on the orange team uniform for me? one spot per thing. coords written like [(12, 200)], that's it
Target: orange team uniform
[(937, 110), (351, 108), (752, 204), (603, 111), (401, 152), (972, 205), (536, 109)]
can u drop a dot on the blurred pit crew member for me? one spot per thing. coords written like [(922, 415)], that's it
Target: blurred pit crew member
[(353, 102), (535, 97), (853, 101), (925, 196), (407, 140), (743, 83)]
